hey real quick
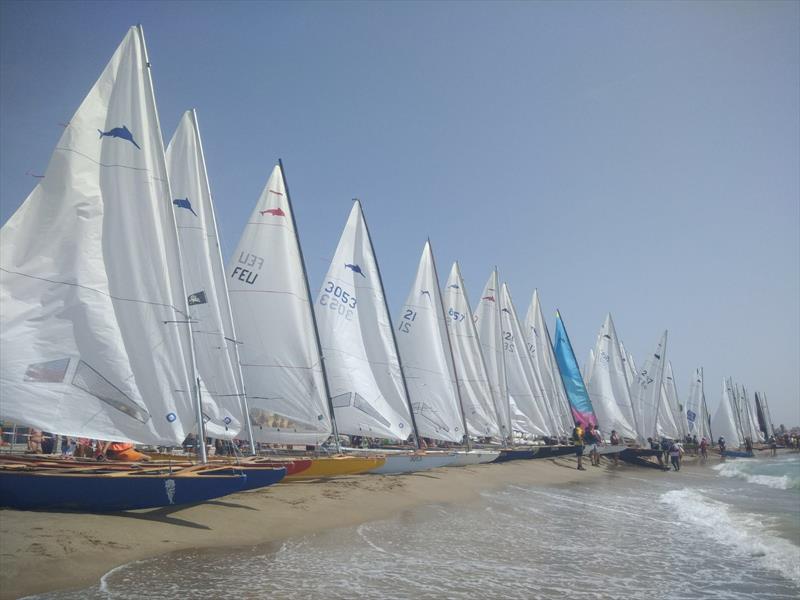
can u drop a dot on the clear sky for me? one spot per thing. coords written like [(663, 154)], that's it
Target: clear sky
[(633, 157)]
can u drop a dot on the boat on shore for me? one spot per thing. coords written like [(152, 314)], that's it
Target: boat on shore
[(338, 466)]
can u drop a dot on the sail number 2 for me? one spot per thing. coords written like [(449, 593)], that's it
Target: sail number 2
[(408, 318), (337, 299)]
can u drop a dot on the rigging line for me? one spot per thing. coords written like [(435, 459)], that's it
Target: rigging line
[(97, 162), (91, 289)]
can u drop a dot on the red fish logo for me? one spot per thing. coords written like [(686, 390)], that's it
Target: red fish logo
[(489, 298), (275, 212)]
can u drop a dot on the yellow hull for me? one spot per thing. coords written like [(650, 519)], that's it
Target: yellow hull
[(335, 466)]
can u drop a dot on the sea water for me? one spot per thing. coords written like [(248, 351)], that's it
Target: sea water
[(730, 531)]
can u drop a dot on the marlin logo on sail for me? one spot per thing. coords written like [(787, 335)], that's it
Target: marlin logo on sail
[(454, 286), (505, 310), (355, 269), (122, 133), (425, 292), (275, 212), (489, 298), (276, 192), (184, 203)]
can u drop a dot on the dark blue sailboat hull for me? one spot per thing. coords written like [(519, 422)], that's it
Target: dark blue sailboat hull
[(257, 477), (738, 454), (534, 452), (109, 492)]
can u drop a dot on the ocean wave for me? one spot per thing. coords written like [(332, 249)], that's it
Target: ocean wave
[(744, 533), (759, 473)]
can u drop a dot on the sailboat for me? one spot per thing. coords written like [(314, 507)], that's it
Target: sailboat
[(608, 385), (428, 366), (367, 386), (724, 422), (580, 403), (697, 417), (95, 317), (540, 348), (471, 375), (646, 392), (288, 397)]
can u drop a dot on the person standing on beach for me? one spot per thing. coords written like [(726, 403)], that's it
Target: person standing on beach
[(675, 455), (703, 450), (615, 441), (577, 439), (592, 439)]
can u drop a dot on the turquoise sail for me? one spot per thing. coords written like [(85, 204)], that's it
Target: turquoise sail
[(579, 402)]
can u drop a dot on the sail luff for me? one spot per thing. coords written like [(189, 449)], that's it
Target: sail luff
[(394, 338), (326, 389), (225, 301), (472, 374), (201, 447)]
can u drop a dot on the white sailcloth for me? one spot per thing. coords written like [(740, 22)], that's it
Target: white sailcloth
[(540, 348), (490, 335), (757, 435), (427, 360), (646, 390), (473, 380), (694, 407), (524, 389), (355, 329), (94, 336), (608, 385), (204, 279), (278, 351), (673, 402), (723, 423), (665, 423)]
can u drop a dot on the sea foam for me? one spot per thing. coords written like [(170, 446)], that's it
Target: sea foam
[(744, 533), (754, 472)]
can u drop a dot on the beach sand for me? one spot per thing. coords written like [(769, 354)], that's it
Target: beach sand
[(46, 551)]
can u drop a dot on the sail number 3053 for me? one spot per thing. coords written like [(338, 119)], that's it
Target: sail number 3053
[(337, 299)]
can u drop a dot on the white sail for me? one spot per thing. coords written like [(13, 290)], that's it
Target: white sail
[(427, 361), (490, 335), (355, 329), (586, 370), (473, 380), (630, 370), (733, 395), (756, 436), (665, 422), (723, 424), (673, 402), (646, 390), (278, 351), (695, 407), (608, 386), (204, 279), (523, 388), (540, 348), (94, 335)]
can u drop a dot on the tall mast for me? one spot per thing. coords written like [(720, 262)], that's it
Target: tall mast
[(195, 392), (503, 354), (394, 337), (450, 346), (243, 398), (311, 309), (705, 406), (554, 364)]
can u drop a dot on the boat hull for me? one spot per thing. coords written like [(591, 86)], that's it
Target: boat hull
[(337, 466), (258, 476), (111, 492), (411, 463), (534, 452), (737, 454), (638, 457), (474, 457)]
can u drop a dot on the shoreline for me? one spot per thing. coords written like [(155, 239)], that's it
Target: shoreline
[(53, 551)]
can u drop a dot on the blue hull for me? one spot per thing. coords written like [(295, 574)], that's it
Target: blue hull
[(36, 490), (737, 454), (257, 477)]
